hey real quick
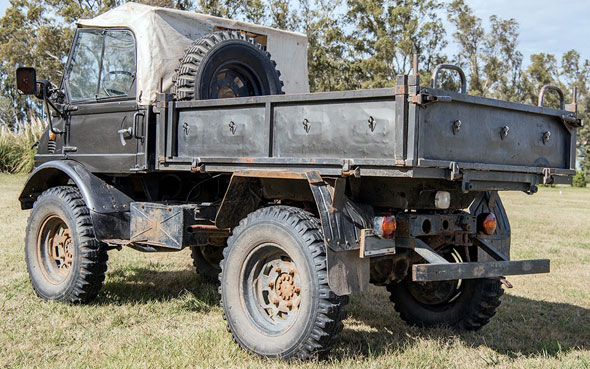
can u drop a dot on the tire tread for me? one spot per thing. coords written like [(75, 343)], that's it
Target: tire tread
[(331, 308)]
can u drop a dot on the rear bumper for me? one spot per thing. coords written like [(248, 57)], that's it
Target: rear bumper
[(451, 271)]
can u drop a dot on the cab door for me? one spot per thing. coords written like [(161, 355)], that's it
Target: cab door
[(104, 125)]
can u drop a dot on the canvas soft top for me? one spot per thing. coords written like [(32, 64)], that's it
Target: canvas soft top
[(163, 34)]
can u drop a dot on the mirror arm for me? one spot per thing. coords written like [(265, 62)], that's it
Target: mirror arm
[(60, 112)]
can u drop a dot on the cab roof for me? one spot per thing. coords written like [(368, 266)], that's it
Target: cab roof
[(163, 34)]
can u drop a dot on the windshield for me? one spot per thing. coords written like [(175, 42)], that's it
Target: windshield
[(102, 65)]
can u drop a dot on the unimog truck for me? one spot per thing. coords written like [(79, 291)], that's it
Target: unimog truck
[(174, 130)]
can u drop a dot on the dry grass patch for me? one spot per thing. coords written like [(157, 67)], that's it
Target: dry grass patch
[(154, 312)]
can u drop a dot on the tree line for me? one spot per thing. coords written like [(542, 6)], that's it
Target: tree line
[(352, 44)]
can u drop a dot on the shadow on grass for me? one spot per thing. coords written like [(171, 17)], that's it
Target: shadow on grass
[(521, 326), (140, 285)]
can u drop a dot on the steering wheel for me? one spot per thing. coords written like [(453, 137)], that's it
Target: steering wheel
[(110, 92)]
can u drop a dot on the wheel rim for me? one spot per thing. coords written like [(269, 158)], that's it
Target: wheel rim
[(271, 289), (438, 293), (234, 80), (55, 249)]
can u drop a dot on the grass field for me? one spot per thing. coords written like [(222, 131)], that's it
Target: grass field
[(153, 312)]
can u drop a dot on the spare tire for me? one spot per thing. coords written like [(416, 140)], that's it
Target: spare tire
[(226, 64)]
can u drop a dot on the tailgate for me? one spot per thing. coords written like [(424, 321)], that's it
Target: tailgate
[(491, 135)]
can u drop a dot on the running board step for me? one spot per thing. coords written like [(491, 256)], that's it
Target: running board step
[(451, 271)]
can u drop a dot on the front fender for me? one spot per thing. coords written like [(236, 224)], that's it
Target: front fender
[(109, 207)]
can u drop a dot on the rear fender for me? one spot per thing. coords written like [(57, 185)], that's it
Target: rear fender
[(341, 221)]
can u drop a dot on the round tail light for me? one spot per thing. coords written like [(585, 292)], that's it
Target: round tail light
[(385, 226), (487, 223)]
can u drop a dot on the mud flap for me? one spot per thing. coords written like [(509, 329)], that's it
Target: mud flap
[(347, 272)]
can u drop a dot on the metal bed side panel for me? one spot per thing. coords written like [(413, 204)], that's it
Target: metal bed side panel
[(354, 130), (494, 135)]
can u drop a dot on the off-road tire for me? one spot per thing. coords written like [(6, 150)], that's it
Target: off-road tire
[(207, 269), (231, 49), (319, 321), (471, 310), (89, 260)]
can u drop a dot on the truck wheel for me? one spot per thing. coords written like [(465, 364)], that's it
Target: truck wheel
[(461, 304), (274, 286), (206, 261), (64, 260), (226, 64)]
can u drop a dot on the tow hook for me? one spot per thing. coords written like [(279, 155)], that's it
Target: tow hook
[(504, 281)]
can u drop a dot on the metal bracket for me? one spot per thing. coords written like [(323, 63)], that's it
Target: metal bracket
[(66, 149), (455, 171), (547, 178), (425, 99), (347, 169), (572, 119), (431, 256)]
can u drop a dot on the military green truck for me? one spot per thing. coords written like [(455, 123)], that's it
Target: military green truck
[(173, 130)]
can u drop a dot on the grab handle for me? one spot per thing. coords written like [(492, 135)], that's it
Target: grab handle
[(450, 67), (551, 88)]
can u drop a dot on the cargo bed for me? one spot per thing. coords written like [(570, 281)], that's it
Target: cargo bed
[(407, 131)]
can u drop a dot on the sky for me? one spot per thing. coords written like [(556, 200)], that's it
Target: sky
[(548, 26), (545, 25)]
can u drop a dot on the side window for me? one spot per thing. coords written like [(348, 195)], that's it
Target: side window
[(85, 65), (102, 65), (118, 64)]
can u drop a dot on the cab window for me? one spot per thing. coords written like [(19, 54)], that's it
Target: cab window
[(102, 65)]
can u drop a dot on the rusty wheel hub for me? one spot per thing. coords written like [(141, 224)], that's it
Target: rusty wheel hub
[(55, 249), (277, 287)]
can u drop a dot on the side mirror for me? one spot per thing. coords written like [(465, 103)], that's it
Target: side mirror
[(26, 80)]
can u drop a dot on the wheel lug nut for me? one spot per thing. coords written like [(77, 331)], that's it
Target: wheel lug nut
[(275, 301), (297, 290), (292, 272), (289, 305), (279, 270), (270, 284)]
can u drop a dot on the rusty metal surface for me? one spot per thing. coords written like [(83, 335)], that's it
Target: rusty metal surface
[(209, 229), (452, 271), (164, 225)]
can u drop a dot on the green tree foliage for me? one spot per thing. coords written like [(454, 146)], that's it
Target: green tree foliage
[(491, 58), (351, 44), (386, 34)]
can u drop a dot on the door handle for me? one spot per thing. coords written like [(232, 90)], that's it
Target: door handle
[(136, 125), (124, 134)]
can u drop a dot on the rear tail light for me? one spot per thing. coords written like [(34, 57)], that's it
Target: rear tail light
[(486, 223), (385, 226)]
